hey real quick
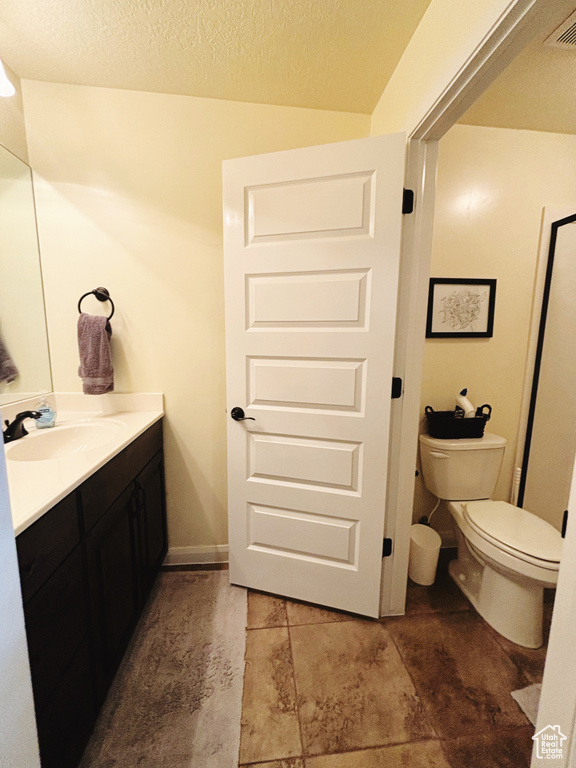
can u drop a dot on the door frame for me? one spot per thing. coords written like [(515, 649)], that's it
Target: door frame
[(510, 33)]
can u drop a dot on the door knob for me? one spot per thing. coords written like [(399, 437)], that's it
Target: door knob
[(238, 415)]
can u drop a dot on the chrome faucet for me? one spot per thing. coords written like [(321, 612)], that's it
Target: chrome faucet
[(16, 429)]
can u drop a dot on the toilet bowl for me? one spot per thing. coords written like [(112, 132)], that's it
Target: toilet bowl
[(506, 555)]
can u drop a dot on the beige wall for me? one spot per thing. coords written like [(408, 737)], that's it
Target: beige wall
[(492, 186), (12, 129), (442, 43), (129, 197)]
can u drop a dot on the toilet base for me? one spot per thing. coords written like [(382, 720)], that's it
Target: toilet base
[(512, 607)]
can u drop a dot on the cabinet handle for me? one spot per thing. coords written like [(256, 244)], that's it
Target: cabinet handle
[(134, 504), (140, 493)]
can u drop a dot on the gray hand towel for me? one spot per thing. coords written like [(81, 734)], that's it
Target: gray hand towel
[(95, 369), (8, 370)]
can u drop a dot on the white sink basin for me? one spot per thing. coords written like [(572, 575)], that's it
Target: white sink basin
[(63, 441)]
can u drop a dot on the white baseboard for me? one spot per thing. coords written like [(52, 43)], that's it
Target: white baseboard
[(217, 553)]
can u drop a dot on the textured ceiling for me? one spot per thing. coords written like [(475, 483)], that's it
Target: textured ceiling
[(324, 54), (537, 92)]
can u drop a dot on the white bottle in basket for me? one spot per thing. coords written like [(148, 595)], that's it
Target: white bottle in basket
[(465, 405)]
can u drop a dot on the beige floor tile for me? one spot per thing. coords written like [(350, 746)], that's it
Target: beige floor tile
[(145, 761), (497, 748), (461, 673), (290, 762), (173, 604), (353, 689), (175, 699), (423, 754), (441, 597), (304, 613), (269, 728), (529, 662), (265, 610)]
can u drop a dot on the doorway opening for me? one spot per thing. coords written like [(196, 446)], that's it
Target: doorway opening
[(493, 183)]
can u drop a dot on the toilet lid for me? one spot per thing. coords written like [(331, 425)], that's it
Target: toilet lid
[(517, 528)]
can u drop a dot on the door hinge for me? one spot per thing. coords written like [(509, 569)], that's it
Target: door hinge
[(386, 547), (407, 201), (396, 387), (564, 524)]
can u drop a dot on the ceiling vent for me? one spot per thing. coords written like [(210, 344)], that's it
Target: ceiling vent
[(565, 35)]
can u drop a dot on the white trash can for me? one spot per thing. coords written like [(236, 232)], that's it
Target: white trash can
[(424, 551)]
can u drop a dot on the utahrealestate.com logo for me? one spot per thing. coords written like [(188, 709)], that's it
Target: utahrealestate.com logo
[(549, 743)]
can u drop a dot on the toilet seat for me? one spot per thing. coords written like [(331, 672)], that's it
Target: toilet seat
[(516, 531)]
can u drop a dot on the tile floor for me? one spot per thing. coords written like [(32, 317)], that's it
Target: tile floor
[(324, 689)]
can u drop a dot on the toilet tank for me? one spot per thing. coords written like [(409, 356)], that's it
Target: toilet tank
[(462, 470)]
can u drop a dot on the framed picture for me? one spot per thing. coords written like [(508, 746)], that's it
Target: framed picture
[(460, 308)]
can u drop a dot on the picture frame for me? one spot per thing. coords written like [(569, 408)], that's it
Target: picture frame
[(460, 308)]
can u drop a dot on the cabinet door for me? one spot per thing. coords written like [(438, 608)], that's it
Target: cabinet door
[(101, 490), (67, 721), (152, 515), (45, 545), (56, 624), (112, 576)]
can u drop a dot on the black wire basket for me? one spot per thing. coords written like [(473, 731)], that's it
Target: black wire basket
[(447, 425)]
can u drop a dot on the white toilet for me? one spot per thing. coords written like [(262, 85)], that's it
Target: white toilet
[(506, 555)]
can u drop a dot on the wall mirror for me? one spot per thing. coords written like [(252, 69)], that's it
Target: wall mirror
[(550, 445), (24, 354)]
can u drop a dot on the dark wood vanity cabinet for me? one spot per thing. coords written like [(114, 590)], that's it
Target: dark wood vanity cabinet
[(150, 496), (86, 568), (113, 579)]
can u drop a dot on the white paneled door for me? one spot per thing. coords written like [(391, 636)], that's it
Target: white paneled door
[(312, 245)]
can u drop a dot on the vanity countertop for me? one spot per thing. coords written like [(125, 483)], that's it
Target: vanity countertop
[(37, 485)]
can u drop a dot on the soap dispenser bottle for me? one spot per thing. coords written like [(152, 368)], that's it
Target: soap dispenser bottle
[(463, 404), (48, 417)]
